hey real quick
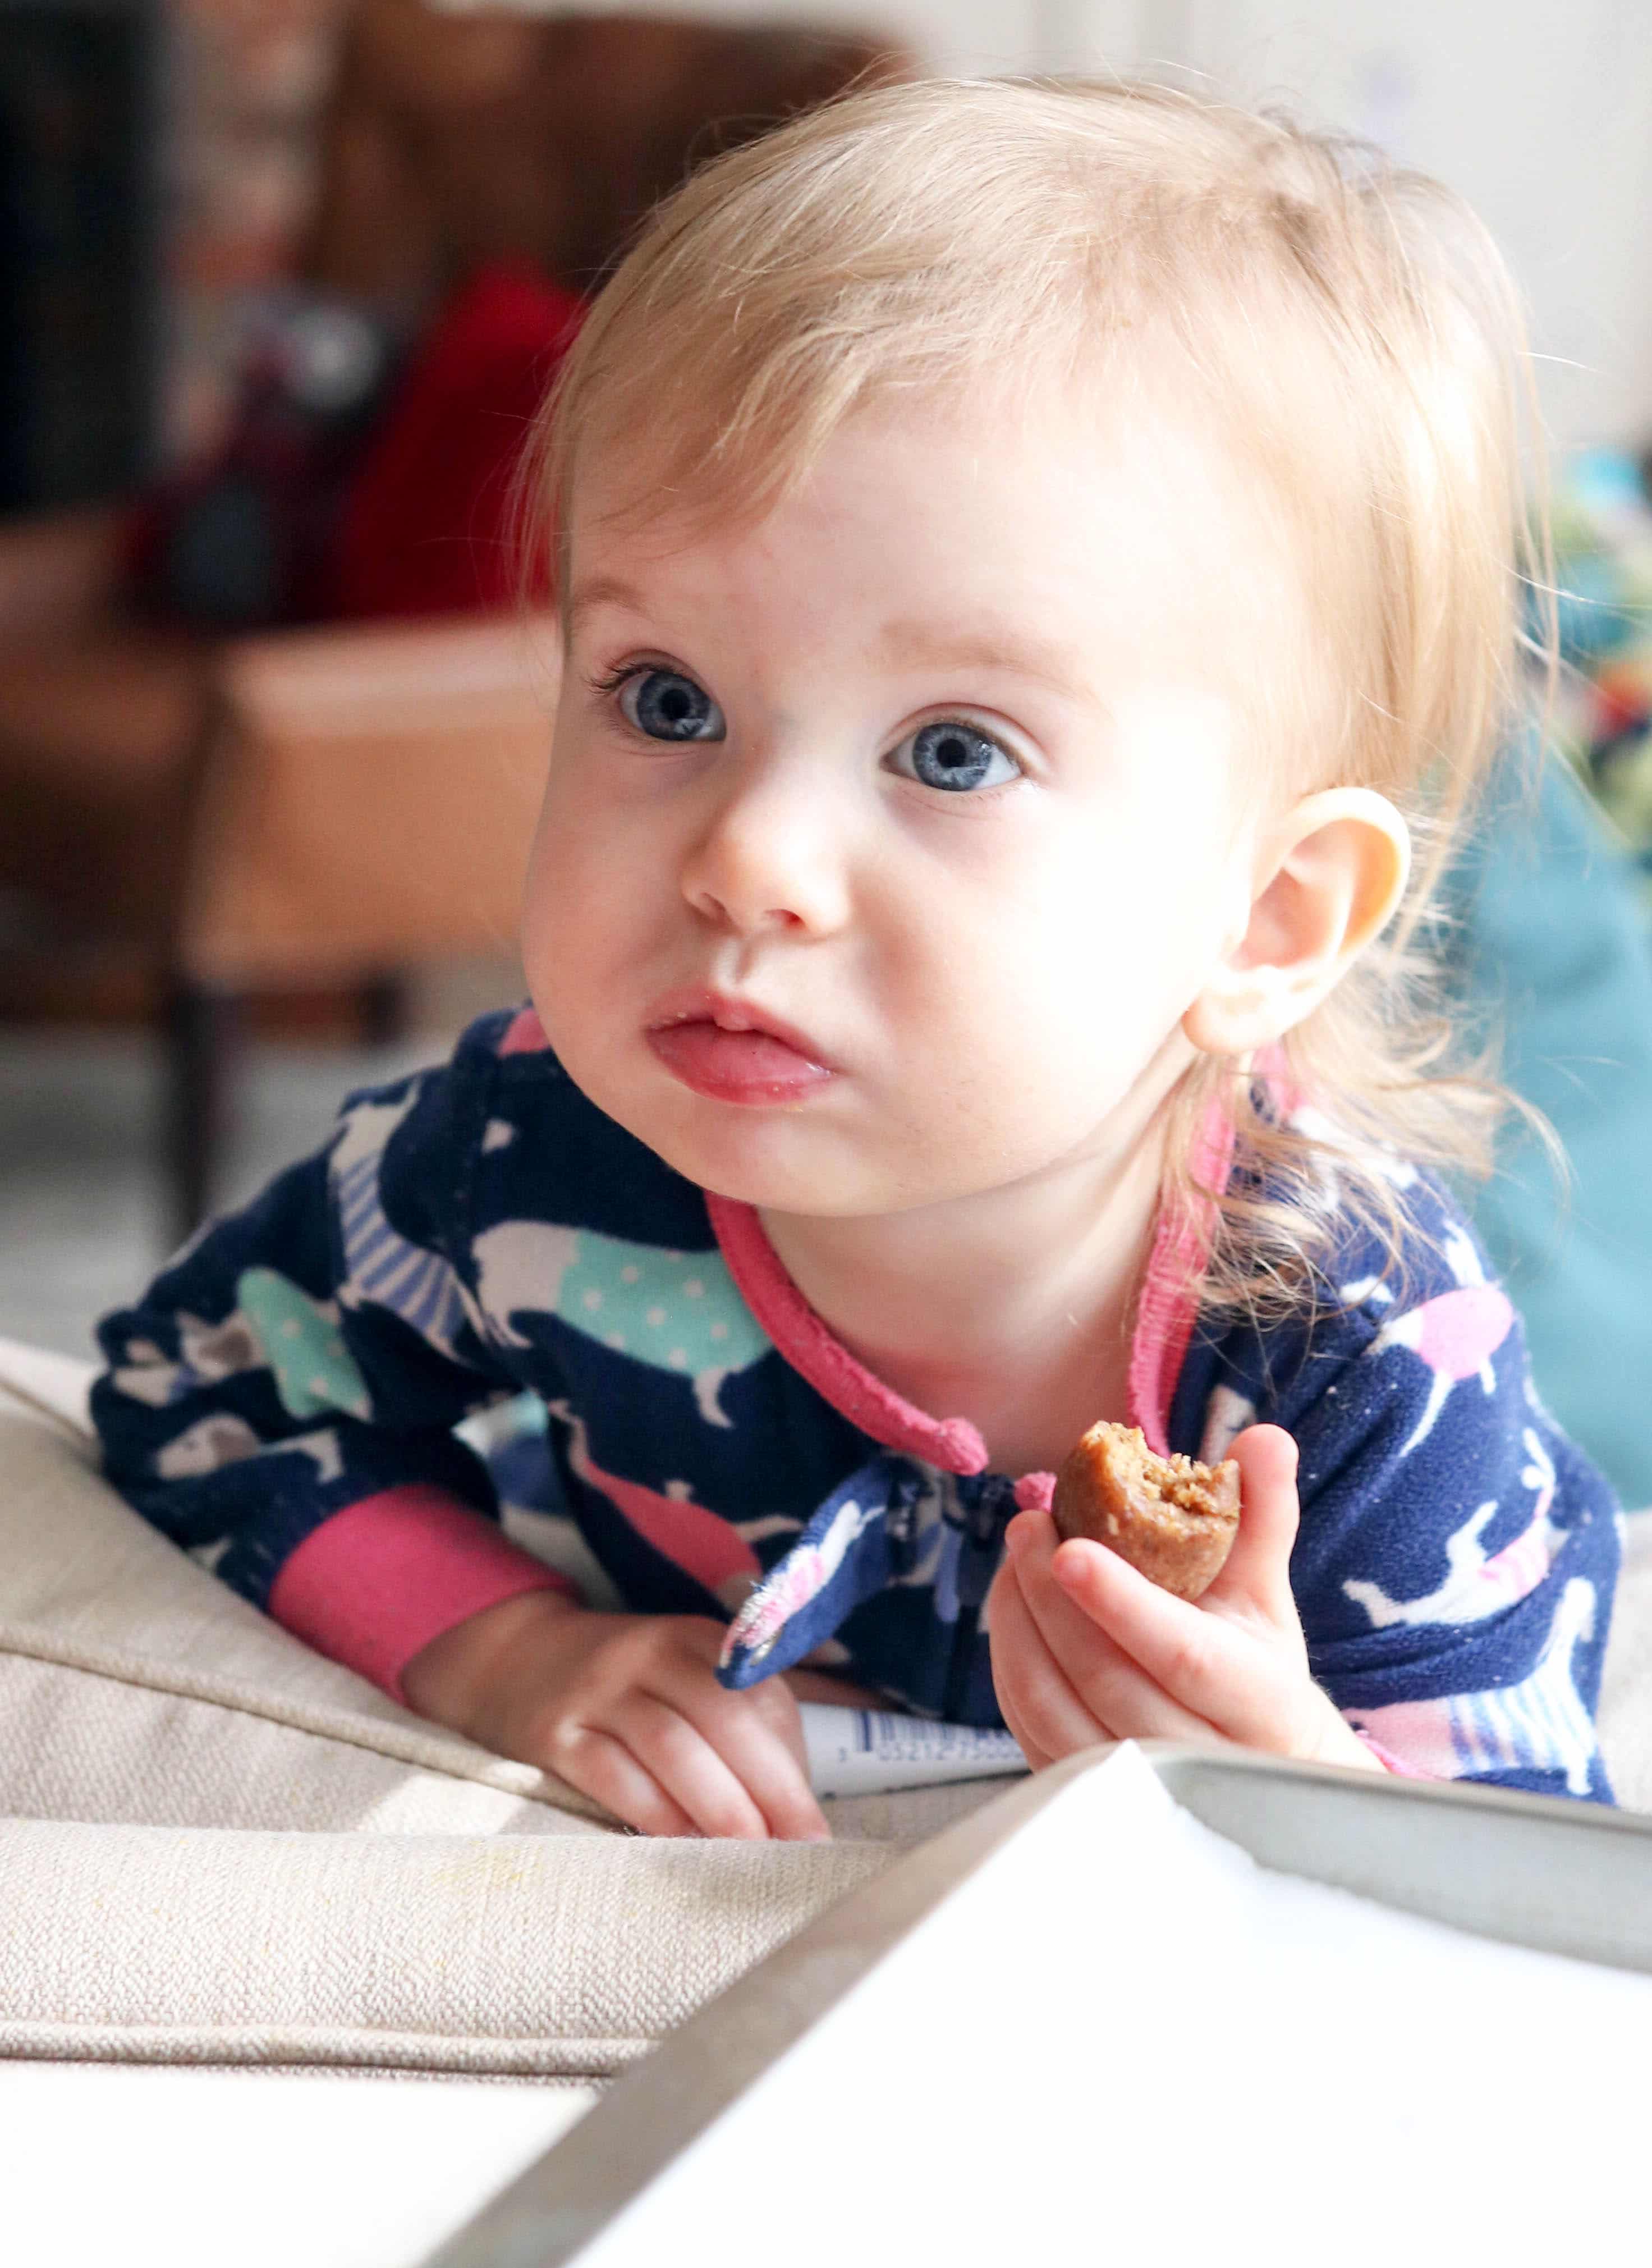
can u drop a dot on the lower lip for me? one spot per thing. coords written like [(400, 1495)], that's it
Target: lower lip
[(736, 1066)]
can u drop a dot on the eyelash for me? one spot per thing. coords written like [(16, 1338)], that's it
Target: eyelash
[(611, 679)]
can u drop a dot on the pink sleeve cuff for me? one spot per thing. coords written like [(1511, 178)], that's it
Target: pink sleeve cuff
[(371, 1587), (1389, 1760)]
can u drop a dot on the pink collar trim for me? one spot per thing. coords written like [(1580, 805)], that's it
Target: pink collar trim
[(1169, 1306), (952, 1444), (1165, 1316)]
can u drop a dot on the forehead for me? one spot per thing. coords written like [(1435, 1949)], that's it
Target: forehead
[(1077, 538)]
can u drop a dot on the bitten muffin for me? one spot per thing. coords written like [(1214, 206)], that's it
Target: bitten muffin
[(1173, 1519)]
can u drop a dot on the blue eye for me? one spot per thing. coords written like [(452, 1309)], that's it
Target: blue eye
[(668, 706), (954, 756)]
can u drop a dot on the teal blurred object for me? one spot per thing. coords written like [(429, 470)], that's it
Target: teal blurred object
[(1602, 710), (1553, 944)]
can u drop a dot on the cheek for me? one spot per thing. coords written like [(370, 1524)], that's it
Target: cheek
[(574, 907), (1075, 974), (599, 861), (562, 884)]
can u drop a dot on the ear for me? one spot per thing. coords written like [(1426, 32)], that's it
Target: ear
[(1330, 875)]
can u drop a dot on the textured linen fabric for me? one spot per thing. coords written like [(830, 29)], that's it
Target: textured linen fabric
[(506, 1954), (480, 1230), (218, 1848)]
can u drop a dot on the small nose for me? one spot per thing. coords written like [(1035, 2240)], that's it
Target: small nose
[(770, 858)]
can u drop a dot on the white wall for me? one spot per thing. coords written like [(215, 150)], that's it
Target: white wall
[(1539, 113), (958, 36)]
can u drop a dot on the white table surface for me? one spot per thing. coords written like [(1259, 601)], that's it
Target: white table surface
[(160, 2168)]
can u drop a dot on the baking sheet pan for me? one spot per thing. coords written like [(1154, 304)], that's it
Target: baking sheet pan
[(1552, 1877)]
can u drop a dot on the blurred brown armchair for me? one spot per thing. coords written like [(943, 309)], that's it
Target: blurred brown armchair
[(225, 815)]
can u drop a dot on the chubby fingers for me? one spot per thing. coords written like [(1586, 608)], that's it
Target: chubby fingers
[(1039, 1703), (637, 1719), (602, 1767), (1120, 1689), (1226, 1673), (757, 1738), (689, 1769), (1257, 1574), (648, 1761)]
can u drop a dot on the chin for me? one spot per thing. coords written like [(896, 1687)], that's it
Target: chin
[(768, 1158), (758, 1167), (810, 1179), (748, 1154)]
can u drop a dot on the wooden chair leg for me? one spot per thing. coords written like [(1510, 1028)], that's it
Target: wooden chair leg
[(202, 1031), (385, 1004)]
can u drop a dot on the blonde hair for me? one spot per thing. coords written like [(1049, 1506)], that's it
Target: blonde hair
[(1352, 336)]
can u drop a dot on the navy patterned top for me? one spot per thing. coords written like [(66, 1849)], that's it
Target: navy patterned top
[(282, 1402)]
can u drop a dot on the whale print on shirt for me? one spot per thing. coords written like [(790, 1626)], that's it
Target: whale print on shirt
[(1307, 1120), (207, 1352), (313, 1368), (1540, 1724), (223, 1438), (383, 1268), (800, 1576), (1476, 1586), (701, 1543), (275, 1325), (220, 1439), (677, 1311), (1227, 1414), (1454, 1334)]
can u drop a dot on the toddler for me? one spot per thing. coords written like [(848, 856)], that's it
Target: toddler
[(1034, 560)]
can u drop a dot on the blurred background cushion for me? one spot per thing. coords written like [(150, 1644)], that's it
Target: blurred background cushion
[(427, 521), (1553, 949), (221, 1848)]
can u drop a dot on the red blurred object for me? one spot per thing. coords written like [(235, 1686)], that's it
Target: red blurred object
[(1622, 702), (426, 527)]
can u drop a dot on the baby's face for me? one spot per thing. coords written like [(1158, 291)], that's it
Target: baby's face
[(886, 840)]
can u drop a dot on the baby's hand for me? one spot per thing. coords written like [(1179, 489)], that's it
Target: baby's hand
[(626, 1708), (1085, 1649)]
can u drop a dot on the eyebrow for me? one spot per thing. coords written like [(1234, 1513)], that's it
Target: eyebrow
[(603, 591), (911, 643), (901, 643)]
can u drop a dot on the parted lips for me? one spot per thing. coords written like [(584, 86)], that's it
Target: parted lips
[(1173, 1519)]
